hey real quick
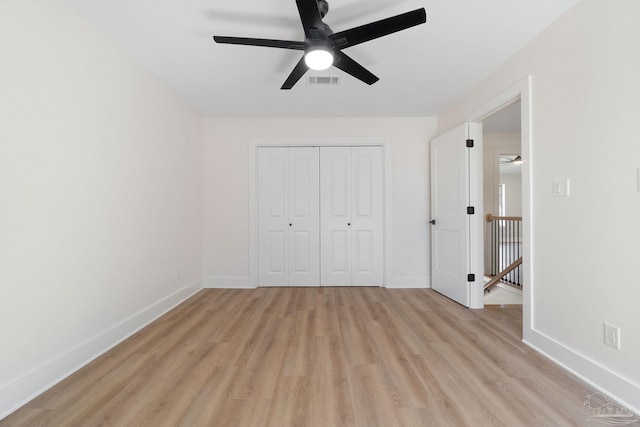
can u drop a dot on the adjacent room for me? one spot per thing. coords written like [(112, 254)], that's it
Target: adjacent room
[(319, 213)]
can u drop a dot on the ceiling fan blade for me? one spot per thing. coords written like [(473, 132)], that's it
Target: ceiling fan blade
[(350, 66), (282, 44), (378, 29), (311, 20), (296, 74)]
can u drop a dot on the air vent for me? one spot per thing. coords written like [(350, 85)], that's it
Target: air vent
[(323, 80)]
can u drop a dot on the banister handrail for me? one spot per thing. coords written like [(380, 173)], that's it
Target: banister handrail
[(503, 273), (490, 218)]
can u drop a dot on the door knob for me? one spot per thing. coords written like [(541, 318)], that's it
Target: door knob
[(433, 221)]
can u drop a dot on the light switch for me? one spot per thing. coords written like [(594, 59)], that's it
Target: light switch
[(561, 188)]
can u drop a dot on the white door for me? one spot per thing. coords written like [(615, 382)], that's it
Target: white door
[(304, 216), (335, 214), (351, 209), (288, 216), (366, 216), (454, 173)]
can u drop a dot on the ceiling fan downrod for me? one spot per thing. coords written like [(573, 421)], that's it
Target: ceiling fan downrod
[(323, 8)]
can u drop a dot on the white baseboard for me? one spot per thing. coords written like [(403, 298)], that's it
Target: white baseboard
[(18, 392), (240, 282), (601, 378), (233, 282), (409, 282)]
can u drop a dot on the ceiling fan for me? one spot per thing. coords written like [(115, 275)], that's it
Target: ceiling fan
[(506, 160), (323, 48)]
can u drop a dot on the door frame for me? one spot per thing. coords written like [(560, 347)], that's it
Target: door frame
[(318, 142), (519, 91)]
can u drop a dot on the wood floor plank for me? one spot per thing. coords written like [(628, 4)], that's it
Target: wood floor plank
[(404, 388), (318, 357), (354, 335), (211, 400), (373, 406)]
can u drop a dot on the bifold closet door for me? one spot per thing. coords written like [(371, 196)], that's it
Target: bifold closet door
[(288, 216), (351, 212)]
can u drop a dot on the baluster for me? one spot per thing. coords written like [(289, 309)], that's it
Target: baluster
[(496, 249), (519, 278), (512, 247), (502, 231)]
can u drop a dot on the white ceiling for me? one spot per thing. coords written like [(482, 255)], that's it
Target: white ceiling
[(422, 70)]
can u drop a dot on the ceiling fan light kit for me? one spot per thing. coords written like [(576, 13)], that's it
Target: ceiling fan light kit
[(323, 48), (319, 58)]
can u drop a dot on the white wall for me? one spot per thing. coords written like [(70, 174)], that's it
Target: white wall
[(513, 193), (227, 145), (585, 109), (100, 196)]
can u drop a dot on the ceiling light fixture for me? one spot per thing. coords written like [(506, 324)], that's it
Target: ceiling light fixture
[(319, 58)]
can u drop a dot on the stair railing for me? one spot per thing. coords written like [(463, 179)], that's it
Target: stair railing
[(506, 250)]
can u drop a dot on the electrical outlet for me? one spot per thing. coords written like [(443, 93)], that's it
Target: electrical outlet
[(612, 335)]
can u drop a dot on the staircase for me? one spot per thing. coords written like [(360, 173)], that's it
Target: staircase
[(502, 294)]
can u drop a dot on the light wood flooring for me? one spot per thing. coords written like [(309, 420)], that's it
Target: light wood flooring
[(318, 357)]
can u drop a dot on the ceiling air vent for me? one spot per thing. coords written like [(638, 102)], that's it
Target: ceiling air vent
[(323, 80)]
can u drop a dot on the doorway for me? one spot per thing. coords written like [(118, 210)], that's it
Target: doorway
[(520, 91), (502, 192)]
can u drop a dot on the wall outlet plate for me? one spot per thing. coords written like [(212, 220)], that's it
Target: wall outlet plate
[(612, 335)]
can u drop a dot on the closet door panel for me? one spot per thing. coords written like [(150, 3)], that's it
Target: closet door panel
[(273, 201), (304, 216), (335, 214), (339, 256), (366, 217)]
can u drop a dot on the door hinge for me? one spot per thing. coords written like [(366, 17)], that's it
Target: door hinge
[(471, 210), (469, 143), (471, 277)]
